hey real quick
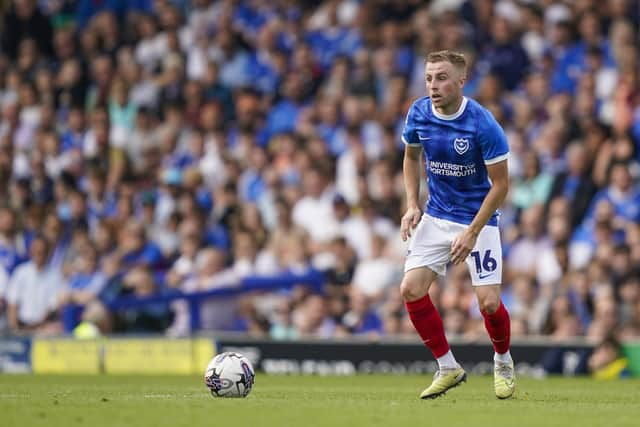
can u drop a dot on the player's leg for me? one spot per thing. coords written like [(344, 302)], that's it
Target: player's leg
[(485, 267), (424, 315), (496, 320), (427, 321), (429, 253)]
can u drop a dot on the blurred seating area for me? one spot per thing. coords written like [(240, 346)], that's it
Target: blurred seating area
[(152, 148)]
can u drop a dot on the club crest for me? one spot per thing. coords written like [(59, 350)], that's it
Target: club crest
[(461, 145)]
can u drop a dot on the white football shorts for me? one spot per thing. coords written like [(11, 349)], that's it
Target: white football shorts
[(430, 246)]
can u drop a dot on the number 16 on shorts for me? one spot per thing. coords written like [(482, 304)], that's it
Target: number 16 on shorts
[(485, 261)]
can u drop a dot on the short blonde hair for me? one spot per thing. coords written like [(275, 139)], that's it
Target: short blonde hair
[(456, 58)]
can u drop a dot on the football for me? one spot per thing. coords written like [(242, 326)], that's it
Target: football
[(229, 375)]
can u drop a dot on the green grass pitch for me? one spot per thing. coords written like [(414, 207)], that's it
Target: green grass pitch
[(96, 401)]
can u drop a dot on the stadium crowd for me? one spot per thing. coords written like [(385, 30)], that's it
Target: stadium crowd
[(154, 146)]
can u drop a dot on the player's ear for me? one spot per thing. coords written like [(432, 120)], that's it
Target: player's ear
[(461, 75)]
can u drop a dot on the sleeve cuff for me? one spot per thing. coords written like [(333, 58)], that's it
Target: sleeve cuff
[(409, 143), (496, 159)]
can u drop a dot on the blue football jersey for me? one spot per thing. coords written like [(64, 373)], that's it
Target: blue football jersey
[(457, 149)]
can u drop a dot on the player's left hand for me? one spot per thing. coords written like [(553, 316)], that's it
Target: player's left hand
[(462, 245)]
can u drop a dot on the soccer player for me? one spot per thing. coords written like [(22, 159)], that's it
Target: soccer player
[(466, 161)]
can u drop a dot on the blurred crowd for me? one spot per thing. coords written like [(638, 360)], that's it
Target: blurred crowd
[(150, 147)]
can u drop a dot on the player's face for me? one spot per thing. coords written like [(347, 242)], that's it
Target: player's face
[(444, 86)]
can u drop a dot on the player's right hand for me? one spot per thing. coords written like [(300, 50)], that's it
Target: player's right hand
[(410, 220)]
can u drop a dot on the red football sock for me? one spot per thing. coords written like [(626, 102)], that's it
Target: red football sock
[(499, 327), (428, 323)]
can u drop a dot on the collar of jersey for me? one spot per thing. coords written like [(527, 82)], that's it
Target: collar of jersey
[(453, 116)]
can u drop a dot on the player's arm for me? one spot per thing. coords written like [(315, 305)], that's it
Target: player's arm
[(411, 173), (499, 176), (14, 300), (464, 243), (12, 317)]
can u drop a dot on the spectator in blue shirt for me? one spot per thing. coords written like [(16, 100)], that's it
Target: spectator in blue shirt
[(622, 193), (135, 249), (575, 184), (505, 56), (361, 319), (284, 114)]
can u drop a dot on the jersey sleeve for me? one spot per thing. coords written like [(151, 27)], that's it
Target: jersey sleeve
[(493, 141), (409, 133)]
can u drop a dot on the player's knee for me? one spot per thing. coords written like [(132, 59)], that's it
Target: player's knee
[(411, 290), (489, 305)]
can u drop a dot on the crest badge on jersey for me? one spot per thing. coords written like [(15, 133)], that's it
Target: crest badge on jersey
[(461, 145)]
